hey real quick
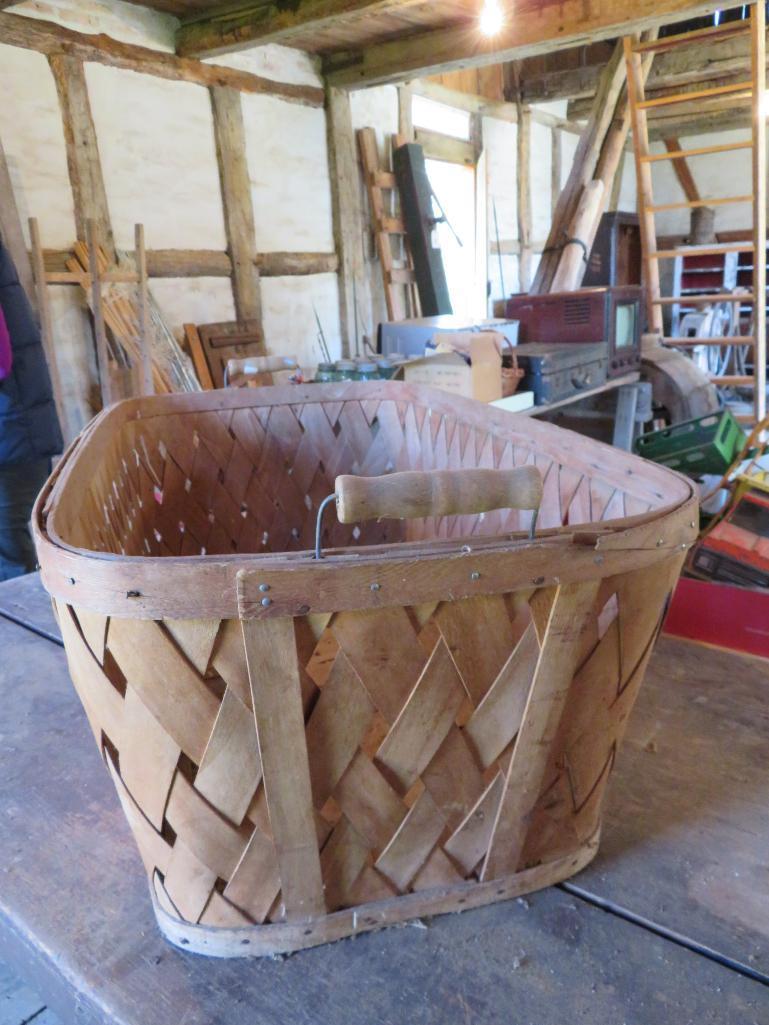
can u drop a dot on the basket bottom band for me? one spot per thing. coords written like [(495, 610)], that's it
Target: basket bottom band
[(286, 937)]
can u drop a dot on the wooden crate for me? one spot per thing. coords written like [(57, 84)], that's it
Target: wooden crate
[(422, 721)]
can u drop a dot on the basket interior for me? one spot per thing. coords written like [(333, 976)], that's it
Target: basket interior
[(251, 479)]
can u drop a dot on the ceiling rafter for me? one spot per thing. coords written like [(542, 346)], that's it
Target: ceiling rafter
[(536, 28), (236, 26)]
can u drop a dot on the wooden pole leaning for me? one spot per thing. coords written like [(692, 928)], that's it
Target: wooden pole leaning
[(98, 312), (148, 387)]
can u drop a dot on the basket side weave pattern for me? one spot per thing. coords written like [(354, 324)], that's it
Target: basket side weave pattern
[(427, 762)]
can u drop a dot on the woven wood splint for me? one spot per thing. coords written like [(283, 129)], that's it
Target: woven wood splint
[(422, 721)]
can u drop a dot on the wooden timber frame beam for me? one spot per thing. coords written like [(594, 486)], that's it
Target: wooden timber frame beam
[(212, 263), (347, 214), (238, 26), (682, 170), (548, 78), (51, 39), (83, 163), (536, 28), (230, 136)]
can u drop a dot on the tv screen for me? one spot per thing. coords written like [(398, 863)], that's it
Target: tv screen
[(625, 325)]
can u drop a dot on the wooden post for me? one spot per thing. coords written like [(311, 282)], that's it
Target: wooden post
[(85, 173), (12, 234), (148, 387), (354, 293), (556, 168), (758, 55), (236, 200), (405, 116), (98, 313), (523, 193), (46, 324), (635, 80)]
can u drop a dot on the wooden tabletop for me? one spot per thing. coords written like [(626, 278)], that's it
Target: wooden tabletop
[(683, 865)]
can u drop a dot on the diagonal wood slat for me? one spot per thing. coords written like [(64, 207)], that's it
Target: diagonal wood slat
[(571, 607)]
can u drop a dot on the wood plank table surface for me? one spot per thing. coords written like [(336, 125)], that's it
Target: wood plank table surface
[(685, 847), (24, 600)]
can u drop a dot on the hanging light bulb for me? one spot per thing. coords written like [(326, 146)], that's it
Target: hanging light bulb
[(492, 17)]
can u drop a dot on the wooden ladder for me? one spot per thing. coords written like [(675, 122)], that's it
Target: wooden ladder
[(753, 91), (400, 286)]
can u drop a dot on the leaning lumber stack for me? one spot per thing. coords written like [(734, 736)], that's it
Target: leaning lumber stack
[(171, 368), (421, 720), (583, 199)]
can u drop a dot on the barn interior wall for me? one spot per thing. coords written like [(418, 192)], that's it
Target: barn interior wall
[(158, 156)]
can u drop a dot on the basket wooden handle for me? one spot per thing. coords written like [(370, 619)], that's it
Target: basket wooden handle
[(413, 494)]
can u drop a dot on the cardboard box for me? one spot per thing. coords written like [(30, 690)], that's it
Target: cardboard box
[(412, 337), (450, 371)]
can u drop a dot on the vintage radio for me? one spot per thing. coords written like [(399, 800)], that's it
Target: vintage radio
[(615, 258), (559, 370), (611, 315)]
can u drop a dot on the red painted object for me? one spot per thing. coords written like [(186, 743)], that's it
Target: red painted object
[(729, 617)]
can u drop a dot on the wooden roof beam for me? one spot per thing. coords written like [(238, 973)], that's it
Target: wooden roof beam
[(544, 80), (536, 28), (239, 26), (52, 39), (682, 170)]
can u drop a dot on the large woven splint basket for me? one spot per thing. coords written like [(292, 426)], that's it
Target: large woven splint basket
[(422, 720)]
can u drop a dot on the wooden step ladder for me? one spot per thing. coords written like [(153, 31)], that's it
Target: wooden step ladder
[(400, 286), (742, 91)]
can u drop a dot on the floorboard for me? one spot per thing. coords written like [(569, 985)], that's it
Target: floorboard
[(19, 1005), (683, 834), (24, 601), (685, 842)]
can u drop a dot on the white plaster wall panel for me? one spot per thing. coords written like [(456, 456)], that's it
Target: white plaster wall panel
[(628, 197), (715, 175), (156, 142), (376, 108), (280, 63), (288, 166), (508, 278), (289, 319), (541, 192), (558, 108), (124, 21), (33, 140), (500, 140), (193, 301)]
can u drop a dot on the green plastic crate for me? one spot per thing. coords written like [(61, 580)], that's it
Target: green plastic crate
[(707, 444)]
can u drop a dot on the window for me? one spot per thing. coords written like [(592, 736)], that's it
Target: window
[(438, 117)]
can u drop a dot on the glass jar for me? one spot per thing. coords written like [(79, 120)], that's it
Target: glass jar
[(326, 373), (386, 368), (345, 370), (366, 370)]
